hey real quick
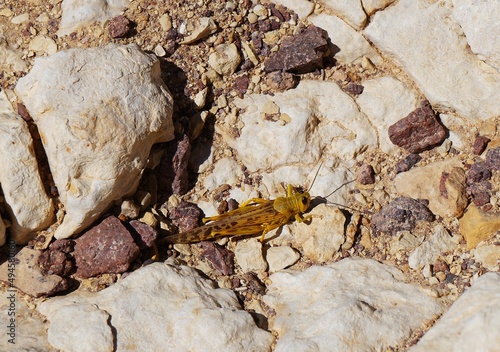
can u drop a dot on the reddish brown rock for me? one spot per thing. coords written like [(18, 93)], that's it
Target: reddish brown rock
[(172, 173), (493, 159), (480, 144), (365, 174), (219, 257), (418, 131), (280, 81), (399, 215), (57, 260), (144, 235), (407, 163), (186, 216), (119, 27), (354, 89), (106, 248), (301, 53)]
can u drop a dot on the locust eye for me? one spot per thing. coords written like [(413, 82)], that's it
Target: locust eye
[(304, 200)]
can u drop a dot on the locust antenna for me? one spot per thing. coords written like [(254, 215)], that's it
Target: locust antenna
[(339, 187), (315, 175)]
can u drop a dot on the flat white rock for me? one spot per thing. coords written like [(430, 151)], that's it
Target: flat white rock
[(97, 138), (471, 324), (322, 120), (370, 6), (351, 305), (321, 238), (489, 256), (353, 46), (76, 13), (431, 249), (302, 8), (386, 100), (29, 207), (479, 21), (171, 308), (280, 257), (67, 329), (351, 11), (423, 38), (248, 255)]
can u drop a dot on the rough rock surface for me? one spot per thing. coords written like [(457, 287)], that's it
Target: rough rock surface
[(179, 310), (474, 314), (29, 207), (105, 248), (96, 149), (308, 305)]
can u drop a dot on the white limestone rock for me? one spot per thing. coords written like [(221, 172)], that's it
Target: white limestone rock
[(429, 45), (226, 171), (11, 58), (76, 13), (248, 255), (171, 308), (322, 120), (280, 257), (29, 207), (225, 59), (371, 6), (431, 249), (386, 100), (30, 332), (471, 324), (480, 22), (353, 46), (302, 8), (66, 331), (321, 238), (351, 305), (488, 256), (351, 11), (97, 137)]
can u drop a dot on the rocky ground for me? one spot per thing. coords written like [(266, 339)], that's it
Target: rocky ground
[(146, 115)]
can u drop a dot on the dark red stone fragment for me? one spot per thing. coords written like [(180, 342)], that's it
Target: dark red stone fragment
[(365, 174), (144, 234), (119, 27), (301, 53), (480, 144), (186, 216), (219, 257), (105, 248), (407, 163), (418, 131)]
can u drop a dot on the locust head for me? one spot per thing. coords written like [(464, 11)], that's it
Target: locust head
[(304, 200)]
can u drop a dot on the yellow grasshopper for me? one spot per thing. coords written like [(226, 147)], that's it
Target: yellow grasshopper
[(254, 216)]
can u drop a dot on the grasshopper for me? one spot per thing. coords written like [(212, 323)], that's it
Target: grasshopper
[(255, 216)]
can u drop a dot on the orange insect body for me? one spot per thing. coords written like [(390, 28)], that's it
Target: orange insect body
[(255, 216)]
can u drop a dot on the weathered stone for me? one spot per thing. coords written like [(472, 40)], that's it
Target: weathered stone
[(204, 28), (365, 174), (29, 207), (418, 131), (474, 314), (105, 248), (145, 234), (302, 8), (76, 13), (219, 257), (119, 27), (429, 251), (301, 53), (186, 216), (493, 158), (280, 80), (321, 238), (407, 163), (225, 59), (180, 309), (480, 144), (57, 260), (446, 197), (354, 89), (488, 256), (172, 173), (281, 257), (477, 225), (470, 88), (97, 149), (384, 100), (371, 297), (351, 11), (28, 275), (248, 255), (399, 215)]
